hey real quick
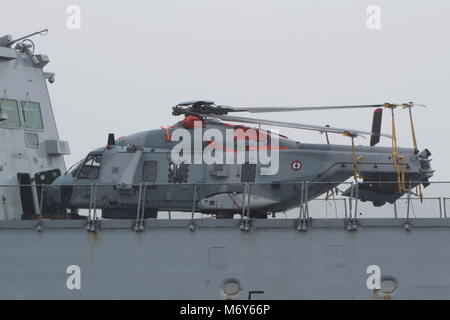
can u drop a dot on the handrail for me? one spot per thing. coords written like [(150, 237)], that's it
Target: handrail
[(350, 208)]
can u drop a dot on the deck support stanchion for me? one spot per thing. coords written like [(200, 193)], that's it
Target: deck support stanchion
[(407, 227), (192, 226), (395, 209), (91, 221), (140, 215), (245, 207), (301, 207)]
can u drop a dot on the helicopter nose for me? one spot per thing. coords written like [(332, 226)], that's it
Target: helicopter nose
[(53, 194)]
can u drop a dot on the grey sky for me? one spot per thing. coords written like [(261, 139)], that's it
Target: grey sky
[(133, 60)]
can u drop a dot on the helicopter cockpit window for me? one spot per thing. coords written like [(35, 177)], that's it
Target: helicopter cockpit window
[(91, 167), (73, 170)]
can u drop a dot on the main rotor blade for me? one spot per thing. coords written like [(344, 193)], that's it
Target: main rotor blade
[(287, 109), (412, 104), (290, 125)]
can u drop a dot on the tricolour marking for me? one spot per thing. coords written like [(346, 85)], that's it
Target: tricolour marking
[(296, 165)]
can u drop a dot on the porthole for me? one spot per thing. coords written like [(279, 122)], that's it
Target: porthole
[(388, 285), (231, 287)]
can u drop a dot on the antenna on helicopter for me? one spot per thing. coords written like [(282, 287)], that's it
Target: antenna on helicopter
[(111, 140)]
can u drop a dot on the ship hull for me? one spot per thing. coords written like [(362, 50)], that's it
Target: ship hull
[(169, 260)]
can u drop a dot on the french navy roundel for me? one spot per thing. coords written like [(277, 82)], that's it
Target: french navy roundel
[(296, 165)]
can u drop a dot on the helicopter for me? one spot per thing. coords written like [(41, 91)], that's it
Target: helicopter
[(192, 166)]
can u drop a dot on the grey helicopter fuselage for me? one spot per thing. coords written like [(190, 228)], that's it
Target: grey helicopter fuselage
[(118, 170)]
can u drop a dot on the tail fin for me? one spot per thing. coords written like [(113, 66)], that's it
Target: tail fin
[(376, 126)]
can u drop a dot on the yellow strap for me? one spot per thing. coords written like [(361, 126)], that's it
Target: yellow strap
[(413, 132), (395, 157), (419, 191), (400, 169), (356, 161)]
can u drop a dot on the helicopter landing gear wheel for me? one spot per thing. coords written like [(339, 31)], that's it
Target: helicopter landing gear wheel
[(150, 214), (128, 213), (117, 214), (73, 214), (224, 215), (258, 214)]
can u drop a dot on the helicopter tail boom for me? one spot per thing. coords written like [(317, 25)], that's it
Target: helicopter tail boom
[(380, 188)]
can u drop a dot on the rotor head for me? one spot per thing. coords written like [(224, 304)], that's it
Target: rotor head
[(206, 107)]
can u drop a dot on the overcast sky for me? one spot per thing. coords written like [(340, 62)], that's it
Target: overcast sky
[(131, 61)]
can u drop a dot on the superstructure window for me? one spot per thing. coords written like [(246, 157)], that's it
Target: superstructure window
[(32, 116), (31, 139), (91, 167), (150, 170), (10, 108)]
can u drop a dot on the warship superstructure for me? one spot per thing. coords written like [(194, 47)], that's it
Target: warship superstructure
[(31, 151), (52, 252)]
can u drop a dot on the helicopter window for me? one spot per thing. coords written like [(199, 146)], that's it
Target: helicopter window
[(32, 116), (91, 167), (150, 170), (178, 173), (73, 170), (11, 110)]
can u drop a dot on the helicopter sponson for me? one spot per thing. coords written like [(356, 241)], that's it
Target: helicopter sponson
[(207, 165)]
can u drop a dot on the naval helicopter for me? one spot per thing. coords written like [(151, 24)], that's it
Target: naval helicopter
[(166, 169)]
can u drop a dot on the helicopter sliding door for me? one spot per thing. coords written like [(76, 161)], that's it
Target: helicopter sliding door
[(248, 172)]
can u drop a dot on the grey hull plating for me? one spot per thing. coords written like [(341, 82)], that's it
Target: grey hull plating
[(169, 261)]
